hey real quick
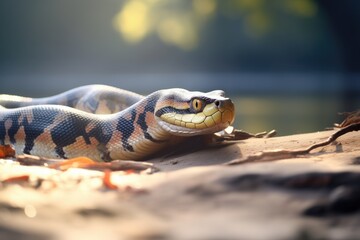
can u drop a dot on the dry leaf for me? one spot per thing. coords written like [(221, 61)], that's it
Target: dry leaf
[(7, 151)]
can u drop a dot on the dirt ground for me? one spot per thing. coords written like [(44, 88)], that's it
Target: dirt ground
[(194, 196)]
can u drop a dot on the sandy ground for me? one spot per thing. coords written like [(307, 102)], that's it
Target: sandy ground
[(195, 196)]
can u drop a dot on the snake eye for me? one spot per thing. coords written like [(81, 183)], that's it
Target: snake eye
[(197, 104)]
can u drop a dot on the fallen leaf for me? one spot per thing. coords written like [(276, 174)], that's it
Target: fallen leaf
[(17, 179), (79, 162), (7, 151), (107, 180)]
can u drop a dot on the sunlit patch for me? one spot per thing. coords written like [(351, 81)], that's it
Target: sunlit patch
[(180, 23), (133, 21), (179, 31), (174, 24), (204, 7), (302, 7)]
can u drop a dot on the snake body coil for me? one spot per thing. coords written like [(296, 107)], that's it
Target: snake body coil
[(137, 128)]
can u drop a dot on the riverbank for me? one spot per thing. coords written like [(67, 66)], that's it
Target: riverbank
[(194, 196)]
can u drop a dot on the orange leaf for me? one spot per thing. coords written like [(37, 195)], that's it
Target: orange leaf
[(22, 178), (107, 180), (7, 151), (78, 162)]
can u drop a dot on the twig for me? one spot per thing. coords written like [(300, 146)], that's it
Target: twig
[(283, 154), (64, 164), (32, 160)]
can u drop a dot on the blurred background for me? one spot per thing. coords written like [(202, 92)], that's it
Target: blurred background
[(289, 65)]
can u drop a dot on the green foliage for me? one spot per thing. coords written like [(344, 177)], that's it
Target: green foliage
[(179, 22)]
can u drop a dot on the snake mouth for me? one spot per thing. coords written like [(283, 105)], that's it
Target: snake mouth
[(214, 117)]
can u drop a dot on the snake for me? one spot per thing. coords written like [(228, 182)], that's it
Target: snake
[(106, 123)]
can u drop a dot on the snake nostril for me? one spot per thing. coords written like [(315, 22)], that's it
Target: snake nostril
[(217, 103)]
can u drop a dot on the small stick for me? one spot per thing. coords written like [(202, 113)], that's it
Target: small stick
[(283, 154), (31, 160), (116, 165)]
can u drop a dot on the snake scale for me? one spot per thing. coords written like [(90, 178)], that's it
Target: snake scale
[(106, 123)]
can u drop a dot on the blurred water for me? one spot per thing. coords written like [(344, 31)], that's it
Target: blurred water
[(286, 83), (290, 103), (287, 114)]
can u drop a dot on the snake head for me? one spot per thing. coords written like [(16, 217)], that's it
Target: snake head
[(186, 113)]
